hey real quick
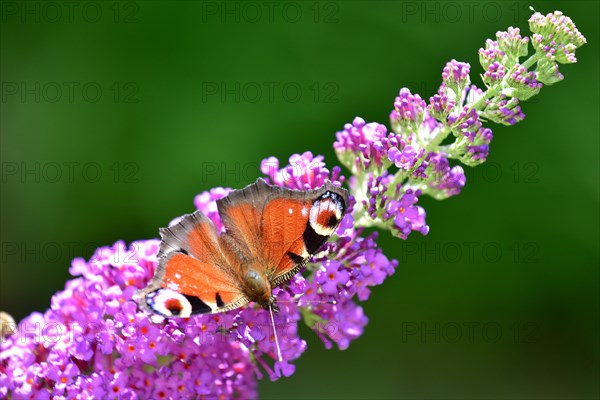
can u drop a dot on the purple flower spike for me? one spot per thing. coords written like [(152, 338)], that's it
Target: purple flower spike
[(94, 326)]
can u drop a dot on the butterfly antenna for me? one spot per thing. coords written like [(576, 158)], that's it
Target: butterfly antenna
[(308, 301), (275, 334)]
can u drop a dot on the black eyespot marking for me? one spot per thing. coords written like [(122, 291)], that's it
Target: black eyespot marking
[(295, 257), (312, 240), (220, 302), (333, 221), (174, 306), (198, 306)]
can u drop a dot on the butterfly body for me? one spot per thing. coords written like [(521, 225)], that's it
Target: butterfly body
[(258, 288), (270, 234)]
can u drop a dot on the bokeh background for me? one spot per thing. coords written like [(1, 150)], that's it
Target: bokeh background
[(116, 114)]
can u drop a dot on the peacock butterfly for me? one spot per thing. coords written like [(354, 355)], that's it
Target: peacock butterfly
[(270, 234)]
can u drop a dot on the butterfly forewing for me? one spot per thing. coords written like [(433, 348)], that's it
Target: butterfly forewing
[(295, 224), (241, 213)]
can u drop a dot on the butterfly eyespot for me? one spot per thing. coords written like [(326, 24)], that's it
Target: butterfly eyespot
[(328, 219), (169, 303), (174, 306), (326, 213)]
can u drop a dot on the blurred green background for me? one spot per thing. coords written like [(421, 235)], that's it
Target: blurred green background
[(115, 114)]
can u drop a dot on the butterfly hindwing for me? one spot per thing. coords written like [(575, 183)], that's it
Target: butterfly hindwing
[(193, 275)]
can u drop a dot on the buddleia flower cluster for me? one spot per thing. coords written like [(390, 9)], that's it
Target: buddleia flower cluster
[(428, 143), (95, 343)]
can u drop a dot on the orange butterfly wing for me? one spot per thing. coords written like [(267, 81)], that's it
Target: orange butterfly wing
[(281, 228), (193, 276), (283, 225), (240, 212), (296, 224)]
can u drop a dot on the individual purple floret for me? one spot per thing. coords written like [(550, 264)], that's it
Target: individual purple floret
[(332, 277), (407, 216), (406, 155)]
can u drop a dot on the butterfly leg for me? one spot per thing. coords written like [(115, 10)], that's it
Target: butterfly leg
[(271, 304)]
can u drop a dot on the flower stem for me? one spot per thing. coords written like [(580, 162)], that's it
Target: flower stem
[(531, 60)]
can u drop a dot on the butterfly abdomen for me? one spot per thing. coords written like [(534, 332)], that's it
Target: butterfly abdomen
[(257, 286)]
